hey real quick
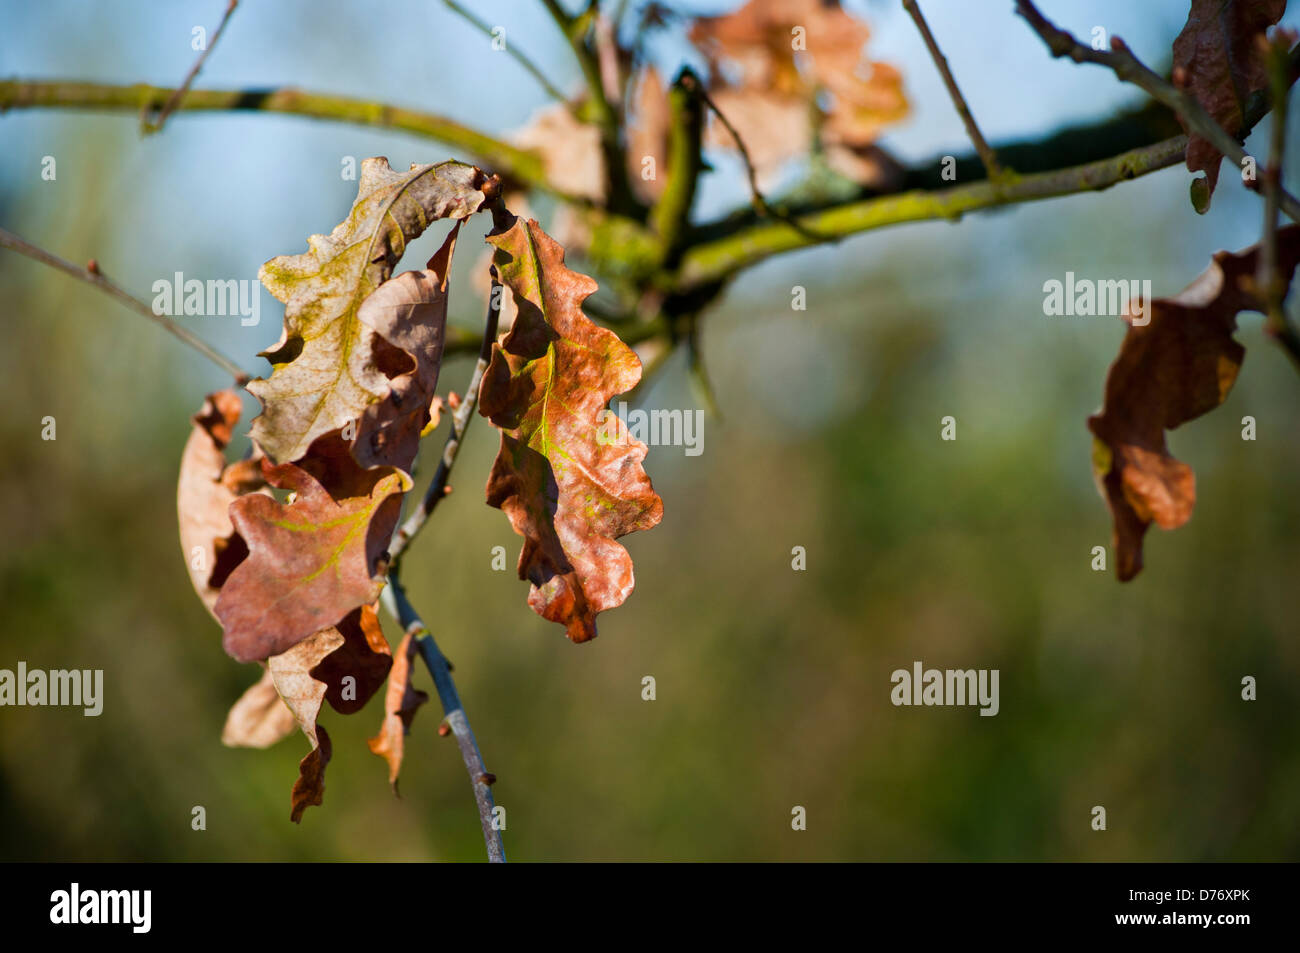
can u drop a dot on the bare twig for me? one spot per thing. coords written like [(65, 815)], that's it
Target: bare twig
[(156, 124), (399, 606), (520, 57), (1130, 69), (92, 275), (761, 204), (460, 419), (986, 154)]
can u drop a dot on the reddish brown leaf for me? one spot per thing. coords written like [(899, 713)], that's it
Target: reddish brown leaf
[(311, 561), (364, 657), (1178, 366), (303, 694), (772, 62), (204, 492), (1216, 59), (568, 475), (400, 704), (409, 314)]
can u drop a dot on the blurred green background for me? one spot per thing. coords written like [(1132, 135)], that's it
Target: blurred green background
[(773, 685)]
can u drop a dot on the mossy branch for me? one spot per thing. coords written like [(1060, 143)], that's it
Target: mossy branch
[(510, 161)]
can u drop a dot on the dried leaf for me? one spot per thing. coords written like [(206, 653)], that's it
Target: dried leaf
[(204, 492), (364, 658), (648, 134), (400, 705), (773, 62), (1217, 61), (311, 561), (327, 366), (569, 487), (260, 718), (303, 694), (1179, 365), (408, 312), (570, 150)]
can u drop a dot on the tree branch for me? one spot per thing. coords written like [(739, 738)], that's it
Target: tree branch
[(1130, 69), (460, 419), (987, 155), (399, 606), (519, 164), (720, 258), (92, 275), (156, 125)]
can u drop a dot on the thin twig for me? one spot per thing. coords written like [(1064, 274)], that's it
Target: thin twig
[(986, 153), (520, 57), (761, 204), (1130, 69), (1271, 284), (399, 606), (156, 124), (460, 420), (92, 275)]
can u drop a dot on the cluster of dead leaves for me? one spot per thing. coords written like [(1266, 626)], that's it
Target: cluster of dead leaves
[(783, 72), (1218, 60), (1181, 360), (288, 548)]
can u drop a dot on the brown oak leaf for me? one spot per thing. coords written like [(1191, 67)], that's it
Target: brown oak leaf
[(400, 705), (204, 491), (328, 365), (313, 560), (1177, 366), (303, 694), (409, 314), (1216, 59), (567, 474), (364, 658), (772, 62)]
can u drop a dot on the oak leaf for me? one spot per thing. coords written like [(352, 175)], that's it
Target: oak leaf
[(409, 313), (259, 718), (401, 702), (774, 62), (313, 560), (1217, 60), (204, 491), (567, 474), (303, 694), (328, 368), (1178, 365)]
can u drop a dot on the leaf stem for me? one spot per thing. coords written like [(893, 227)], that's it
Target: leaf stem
[(92, 275)]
